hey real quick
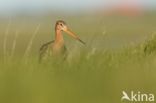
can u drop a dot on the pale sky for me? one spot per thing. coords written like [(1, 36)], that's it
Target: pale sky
[(13, 6)]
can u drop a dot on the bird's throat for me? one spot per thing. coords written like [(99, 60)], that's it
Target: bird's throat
[(59, 42), (59, 37)]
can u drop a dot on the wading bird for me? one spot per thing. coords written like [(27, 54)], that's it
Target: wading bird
[(56, 48)]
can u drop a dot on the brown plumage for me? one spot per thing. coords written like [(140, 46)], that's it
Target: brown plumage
[(56, 48)]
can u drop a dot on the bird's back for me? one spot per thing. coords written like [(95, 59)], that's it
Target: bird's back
[(46, 52)]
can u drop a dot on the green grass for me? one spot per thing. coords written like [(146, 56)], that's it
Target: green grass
[(114, 59)]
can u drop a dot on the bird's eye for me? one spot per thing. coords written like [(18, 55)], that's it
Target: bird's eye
[(61, 24)]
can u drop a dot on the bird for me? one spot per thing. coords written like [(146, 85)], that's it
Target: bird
[(56, 48)]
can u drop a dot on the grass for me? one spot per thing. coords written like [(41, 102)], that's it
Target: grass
[(116, 58)]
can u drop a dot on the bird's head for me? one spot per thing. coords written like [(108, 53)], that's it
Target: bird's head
[(62, 26)]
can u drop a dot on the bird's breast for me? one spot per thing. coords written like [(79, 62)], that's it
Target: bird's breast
[(58, 48)]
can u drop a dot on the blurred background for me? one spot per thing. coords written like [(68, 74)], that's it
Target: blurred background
[(74, 7), (44, 7), (121, 21), (113, 59)]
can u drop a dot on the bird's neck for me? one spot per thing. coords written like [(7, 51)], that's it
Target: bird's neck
[(59, 37)]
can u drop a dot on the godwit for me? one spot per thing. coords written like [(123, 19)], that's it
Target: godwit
[(56, 48)]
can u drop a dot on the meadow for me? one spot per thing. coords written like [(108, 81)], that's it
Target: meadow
[(119, 55)]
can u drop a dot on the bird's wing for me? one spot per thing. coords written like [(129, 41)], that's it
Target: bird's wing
[(43, 49), (65, 53)]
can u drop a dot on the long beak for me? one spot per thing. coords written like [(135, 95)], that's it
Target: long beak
[(74, 36)]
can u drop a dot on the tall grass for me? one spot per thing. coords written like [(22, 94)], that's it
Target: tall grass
[(5, 41), (93, 74), (90, 77), (14, 44), (149, 46), (28, 49)]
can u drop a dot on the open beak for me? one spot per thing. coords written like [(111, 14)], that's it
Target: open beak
[(74, 36)]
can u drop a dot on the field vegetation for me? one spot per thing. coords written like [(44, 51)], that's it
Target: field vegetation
[(120, 54)]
